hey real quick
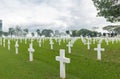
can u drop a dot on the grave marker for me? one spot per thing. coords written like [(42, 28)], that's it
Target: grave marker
[(99, 49), (69, 45), (16, 47), (62, 59), (31, 50), (8, 44), (51, 43)]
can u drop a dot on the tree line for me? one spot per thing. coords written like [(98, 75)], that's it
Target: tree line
[(18, 31)]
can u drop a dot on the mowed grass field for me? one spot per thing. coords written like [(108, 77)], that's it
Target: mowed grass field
[(83, 65)]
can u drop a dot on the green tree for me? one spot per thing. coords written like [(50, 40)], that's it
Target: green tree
[(38, 32), (108, 9), (74, 33), (47, 32), (86, 32), (117, 30), (57, 33), (18, 30), (26, 30), (112, 28), (11, 31), (1, 33), (67, 32), (32, 33), (5, 33)]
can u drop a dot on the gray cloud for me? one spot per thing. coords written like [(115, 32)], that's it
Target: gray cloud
[(68, 14)]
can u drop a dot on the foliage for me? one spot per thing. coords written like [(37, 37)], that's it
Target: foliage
[(11, 31), (26, 30), (38, 32), (18, 31), (108, 9), (1, 33), (112, 28), (47, 32), (67, 32), (84, 32)]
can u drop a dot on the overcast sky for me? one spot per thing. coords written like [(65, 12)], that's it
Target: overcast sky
[(61, 14)]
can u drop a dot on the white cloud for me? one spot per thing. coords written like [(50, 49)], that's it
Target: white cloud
[(57, 13)]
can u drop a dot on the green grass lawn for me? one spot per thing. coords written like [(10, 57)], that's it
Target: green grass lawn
[(83, 65)]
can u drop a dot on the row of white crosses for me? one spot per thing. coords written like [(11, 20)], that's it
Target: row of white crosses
[(60, 58)]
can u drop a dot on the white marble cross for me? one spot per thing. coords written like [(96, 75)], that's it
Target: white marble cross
[(8, 44), (113, 40), (69, 45), (62, 59), (40, 41), (88, 43), (99, 49), (31, 50), (106, 40), (51, 43), (16, 47)]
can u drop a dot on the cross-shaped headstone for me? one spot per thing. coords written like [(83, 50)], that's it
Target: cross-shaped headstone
[(62, 59), (40, 41), (113, 40), (8, 44), (106, 40), (99, 49), (31, 50), (51, 43), (16, 47), (88, 43), (69, 45)]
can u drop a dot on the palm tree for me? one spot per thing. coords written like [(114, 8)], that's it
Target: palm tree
[(11, 31)]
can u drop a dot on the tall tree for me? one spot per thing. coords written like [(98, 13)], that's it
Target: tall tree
[(26, 30), (18, 30), (38, 31), (47, 32), (110, 9), (11, 31)]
